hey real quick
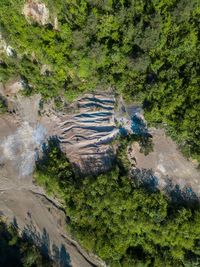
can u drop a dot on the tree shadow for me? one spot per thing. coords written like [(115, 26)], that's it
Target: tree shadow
[(3, 104), (144, 178), (52, 142), (138, 125), (180, 196), (15, 222), (59, 256), (47, 147)]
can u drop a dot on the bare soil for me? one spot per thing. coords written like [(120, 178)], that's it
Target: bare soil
[(85, 129), (166, 167), (36, 215)]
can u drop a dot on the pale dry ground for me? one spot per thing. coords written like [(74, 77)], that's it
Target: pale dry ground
[(168, 168), (36, 215), (39, 217), (84, 129), (85, 134)]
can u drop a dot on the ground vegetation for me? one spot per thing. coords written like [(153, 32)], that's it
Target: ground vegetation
[(147, 50), (17, 251), (124, 224)]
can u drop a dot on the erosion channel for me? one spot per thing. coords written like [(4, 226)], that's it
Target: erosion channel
[(84, 129)]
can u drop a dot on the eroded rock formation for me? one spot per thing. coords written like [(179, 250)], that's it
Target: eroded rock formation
[(37, 11)]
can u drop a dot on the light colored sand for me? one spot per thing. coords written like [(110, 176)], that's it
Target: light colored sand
[(85, 131), (21, 202), (168, 165)]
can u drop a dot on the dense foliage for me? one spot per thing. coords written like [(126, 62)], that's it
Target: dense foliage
[(15, 251), (3, 107), (123, 224), (146, 49)]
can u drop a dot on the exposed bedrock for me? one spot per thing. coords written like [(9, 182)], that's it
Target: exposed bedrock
[(40, 218), (86, 134), (84, 129)]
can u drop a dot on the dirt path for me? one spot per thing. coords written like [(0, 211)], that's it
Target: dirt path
[(84, 130), (43, 222), (37, 216)]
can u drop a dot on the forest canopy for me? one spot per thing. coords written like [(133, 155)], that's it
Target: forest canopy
[(148, 50), (17, 251), (123, 223)]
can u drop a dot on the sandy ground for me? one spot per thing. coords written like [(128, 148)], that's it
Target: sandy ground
[(37, 216), (85, 129), (43, 223), (166, 168)]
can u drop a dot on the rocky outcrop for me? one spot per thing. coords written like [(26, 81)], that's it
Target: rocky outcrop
[(37, 11), (95, 120), (5, 48), (85, 128), (37, 216), (86, 134)]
